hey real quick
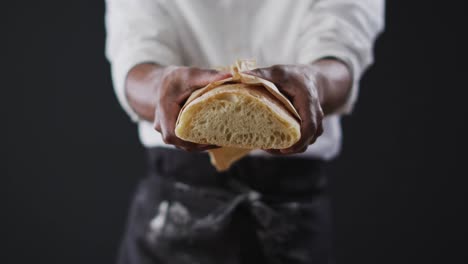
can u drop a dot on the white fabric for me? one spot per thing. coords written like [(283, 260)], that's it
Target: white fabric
[(210, 33)]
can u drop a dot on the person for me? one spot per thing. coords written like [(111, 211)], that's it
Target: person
[(271, 206)]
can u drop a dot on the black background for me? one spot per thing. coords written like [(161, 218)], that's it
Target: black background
[(73, 158)]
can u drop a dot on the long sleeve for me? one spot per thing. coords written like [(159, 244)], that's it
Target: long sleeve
[(138, 31), (344, 29)]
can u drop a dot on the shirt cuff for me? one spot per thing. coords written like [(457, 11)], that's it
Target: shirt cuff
[(121, 66), (344, 55)]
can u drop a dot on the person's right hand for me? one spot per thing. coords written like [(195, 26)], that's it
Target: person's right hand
[(174, 86)]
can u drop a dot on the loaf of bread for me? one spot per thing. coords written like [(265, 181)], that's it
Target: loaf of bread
[(238, 115)]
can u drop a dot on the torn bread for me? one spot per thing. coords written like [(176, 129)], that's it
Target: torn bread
[(240, 116)]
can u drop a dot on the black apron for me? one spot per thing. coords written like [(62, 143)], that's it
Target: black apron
[(263, 210)]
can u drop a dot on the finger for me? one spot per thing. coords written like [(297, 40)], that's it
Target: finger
[(307, 132), (198, 78), (302, 150), (192, 147), (260, 72), (317, 134), (206, 147), (156, 123), (318, 117), (299, 150), (195, 79), (273, 74), (288, 86), (273, 151), (278, 152), (308, 125), (167, 119)]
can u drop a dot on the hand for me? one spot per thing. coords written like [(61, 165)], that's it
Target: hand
[(173, 87), (315, 90), (301, 85), (157, 93)]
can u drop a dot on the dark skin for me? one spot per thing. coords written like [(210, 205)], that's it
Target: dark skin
[(157, 94)]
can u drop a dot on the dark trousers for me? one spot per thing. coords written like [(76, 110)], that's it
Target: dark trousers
[(263, 210)]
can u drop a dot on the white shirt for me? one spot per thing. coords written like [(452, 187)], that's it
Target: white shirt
[(210, 33)]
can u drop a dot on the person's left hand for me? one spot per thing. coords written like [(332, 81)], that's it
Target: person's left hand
[(301, 85)]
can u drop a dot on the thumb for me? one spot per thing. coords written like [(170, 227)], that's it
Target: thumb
[(260, 72), (200, 77)]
